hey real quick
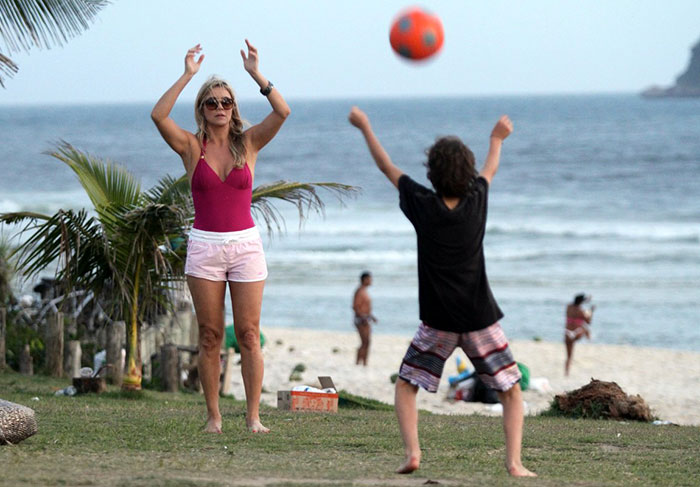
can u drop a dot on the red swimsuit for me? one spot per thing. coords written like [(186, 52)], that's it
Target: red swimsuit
[(221, 206)]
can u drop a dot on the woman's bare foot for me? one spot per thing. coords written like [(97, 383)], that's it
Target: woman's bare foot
[(256, 426), (213, 425), (519, 471), (410, 465)]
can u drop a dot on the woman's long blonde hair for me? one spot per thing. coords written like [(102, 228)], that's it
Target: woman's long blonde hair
[(236, 126)]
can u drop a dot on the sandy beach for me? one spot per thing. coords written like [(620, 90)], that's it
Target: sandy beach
[(666, 379)]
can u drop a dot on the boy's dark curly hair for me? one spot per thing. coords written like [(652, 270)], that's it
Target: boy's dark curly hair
[(451, 167)]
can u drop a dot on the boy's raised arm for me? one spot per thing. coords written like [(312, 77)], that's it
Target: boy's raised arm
[(502, 129), (359, 119)]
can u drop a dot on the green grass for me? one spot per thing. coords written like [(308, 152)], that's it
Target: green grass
[(347, 400), (154, 439)]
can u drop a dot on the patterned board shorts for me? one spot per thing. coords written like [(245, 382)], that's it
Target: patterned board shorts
[(486, 348)]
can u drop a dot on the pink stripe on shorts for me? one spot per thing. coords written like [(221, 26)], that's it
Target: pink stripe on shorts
[(226, 256), (487, 349)]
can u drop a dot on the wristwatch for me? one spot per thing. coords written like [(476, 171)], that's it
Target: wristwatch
[(266, 91)]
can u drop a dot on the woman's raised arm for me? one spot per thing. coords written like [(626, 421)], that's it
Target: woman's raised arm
[(176, 137), (262, 133)]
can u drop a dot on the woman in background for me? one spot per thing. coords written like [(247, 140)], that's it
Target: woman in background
[(577, 321)]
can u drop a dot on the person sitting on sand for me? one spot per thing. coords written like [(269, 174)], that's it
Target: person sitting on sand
[(456, 304), (577, 321), (224, 247), (362, 306)]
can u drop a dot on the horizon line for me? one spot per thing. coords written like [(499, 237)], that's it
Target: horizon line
[(306, 98)]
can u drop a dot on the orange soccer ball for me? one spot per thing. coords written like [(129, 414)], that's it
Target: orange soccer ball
[(416, 34)]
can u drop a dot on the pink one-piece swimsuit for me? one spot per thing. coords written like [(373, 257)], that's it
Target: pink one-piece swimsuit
[(221, 206)]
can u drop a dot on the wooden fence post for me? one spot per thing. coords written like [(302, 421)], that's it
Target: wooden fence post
[(54, 345), (226, 387), (26, 365), (170, 368), (194, 328), (75, 355), (116, 338), (69, 328), (3, 333)]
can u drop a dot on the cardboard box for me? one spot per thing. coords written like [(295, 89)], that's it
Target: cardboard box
[(309, 401)]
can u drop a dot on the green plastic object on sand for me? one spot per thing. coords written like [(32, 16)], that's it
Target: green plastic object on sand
[(231, 341), (525, 372)]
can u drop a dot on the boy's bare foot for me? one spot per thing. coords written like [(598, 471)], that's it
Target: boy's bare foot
[(410, 465), (213, 426), (257, 427), (519, 471)]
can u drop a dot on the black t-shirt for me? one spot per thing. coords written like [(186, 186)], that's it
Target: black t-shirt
[(453, 290)]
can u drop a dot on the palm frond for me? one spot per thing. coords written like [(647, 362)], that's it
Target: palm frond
[(21, 216), (171, 191), (7, 271), (29, 218), (303, 195), (42, 23), (74, 244), (105, 183), (140, 236), (7, 69), (144, 233)]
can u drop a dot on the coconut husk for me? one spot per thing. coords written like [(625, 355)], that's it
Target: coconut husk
[(17, 422), (600, 399)]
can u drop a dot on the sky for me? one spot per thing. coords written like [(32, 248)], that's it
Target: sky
[(316, 49)]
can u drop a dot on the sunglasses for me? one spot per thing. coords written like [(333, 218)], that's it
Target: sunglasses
[(213, 103)]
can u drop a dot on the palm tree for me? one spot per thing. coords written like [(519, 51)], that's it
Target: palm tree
[(127, 252), (119, 253), (6, 272), (33, 23)]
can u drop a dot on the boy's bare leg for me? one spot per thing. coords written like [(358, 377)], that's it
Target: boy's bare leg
[(512, 401), (407, 414)]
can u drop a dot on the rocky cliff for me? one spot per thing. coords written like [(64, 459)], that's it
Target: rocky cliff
[(687, 84)]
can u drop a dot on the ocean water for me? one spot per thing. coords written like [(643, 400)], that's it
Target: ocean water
[(595, 194)]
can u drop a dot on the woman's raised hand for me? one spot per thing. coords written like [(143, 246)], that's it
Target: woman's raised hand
[(250, 62), (192, 66)]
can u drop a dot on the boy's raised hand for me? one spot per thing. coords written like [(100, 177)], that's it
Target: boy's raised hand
[(358, 118), (503, 128)]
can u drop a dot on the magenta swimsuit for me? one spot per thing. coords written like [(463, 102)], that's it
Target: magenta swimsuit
[(224, 243), (221, 206)]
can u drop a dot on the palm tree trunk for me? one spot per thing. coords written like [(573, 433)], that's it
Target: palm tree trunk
[(132, 380)]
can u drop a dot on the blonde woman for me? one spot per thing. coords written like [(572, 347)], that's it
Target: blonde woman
[(224, 248)]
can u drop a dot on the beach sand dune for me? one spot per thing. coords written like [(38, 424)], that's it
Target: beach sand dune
[(666, 379)]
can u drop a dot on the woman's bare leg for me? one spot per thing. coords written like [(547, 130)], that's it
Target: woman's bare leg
[(208, 297), (569, 354), (246, 298)]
